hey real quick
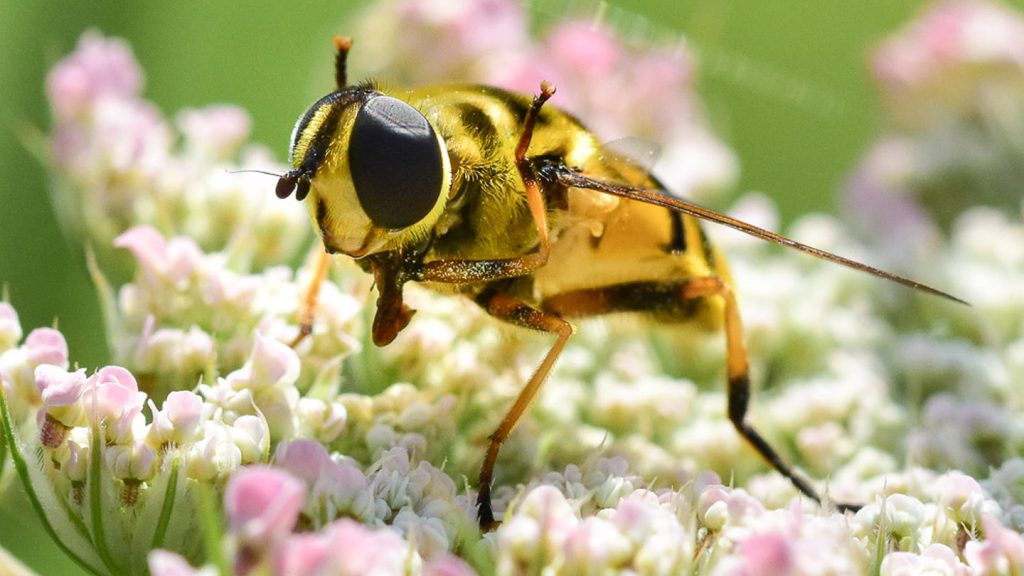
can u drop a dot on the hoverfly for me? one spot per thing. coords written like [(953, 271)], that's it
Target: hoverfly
[(491, 194)]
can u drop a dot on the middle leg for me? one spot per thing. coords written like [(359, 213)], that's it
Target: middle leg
[(517, 312)]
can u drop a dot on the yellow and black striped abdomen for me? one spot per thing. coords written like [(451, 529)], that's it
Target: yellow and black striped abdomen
[(634, 243)]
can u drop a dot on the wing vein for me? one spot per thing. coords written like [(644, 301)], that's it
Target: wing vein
[(568, 177)]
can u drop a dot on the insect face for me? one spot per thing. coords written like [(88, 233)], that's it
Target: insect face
[(374, 168)]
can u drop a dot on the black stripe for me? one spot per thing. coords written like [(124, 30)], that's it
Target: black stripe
[(321, 213), (321, 141), (518, 107), (474, 118), (338, 101), (646, 297), (705, 245), (678, 243)]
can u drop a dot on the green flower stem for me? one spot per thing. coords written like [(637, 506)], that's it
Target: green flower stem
[(22, 469), (880, 542), (211, 523), (168, 507), (107, 299), (3, 448), (99, 536)]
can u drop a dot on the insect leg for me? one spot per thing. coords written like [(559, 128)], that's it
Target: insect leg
[(392, 314), (662, 296), (468, 271), (516, 312), (308, 310), (526, 171)]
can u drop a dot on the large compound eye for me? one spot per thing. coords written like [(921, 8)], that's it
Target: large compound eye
[(395, 161)]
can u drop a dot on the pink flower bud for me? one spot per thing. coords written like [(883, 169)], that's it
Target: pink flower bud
[(159, 259), (709, 497), (58, 387), (183, 408), (356, 549), (961, 496), (179, 420), (61, 391), (98, 68), (146, 244), (215, 131), (302, 555), (252, 437), (767, 554), (215, 455), (262, 505), (75, 462), (47, 346), (743, 505), (135, 462), (305, 459), (1001, 552), (325, 420), (637, 518), (552, 512), (594, 545), (112, 398), (10, 327), (271, 363)]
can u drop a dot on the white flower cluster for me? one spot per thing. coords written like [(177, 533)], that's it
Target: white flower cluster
[(121, 163), (187, 314), (707, 528)]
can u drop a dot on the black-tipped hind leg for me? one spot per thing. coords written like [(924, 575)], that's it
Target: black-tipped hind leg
[(666, 296)]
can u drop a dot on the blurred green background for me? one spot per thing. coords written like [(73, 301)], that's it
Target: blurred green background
[(785, 86)]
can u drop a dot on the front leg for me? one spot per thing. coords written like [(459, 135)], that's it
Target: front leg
[(390, 272), (307, 311)]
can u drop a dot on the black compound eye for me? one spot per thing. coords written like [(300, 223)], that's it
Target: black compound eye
[(395, 161)]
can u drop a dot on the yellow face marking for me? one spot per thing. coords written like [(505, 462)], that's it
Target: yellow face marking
[(334, 203)]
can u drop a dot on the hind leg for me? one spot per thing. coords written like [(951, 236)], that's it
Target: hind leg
[(670, 295)]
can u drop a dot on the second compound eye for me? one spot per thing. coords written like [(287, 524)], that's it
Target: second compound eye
[(396, 164)]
